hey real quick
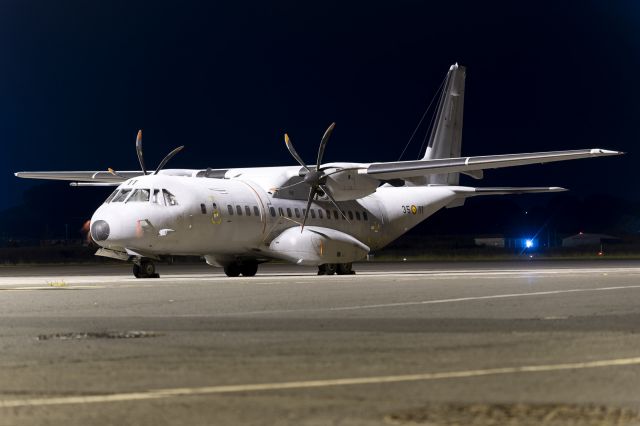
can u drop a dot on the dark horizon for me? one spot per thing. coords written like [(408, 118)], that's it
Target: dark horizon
[(227, 80)]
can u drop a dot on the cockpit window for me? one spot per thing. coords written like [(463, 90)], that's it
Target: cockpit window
[(139, 195), (122, 195), (169, 198), (157, 198), (110, 197)]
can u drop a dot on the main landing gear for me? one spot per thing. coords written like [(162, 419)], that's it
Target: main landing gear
[(336, 268), (145, 268), (247, 269)]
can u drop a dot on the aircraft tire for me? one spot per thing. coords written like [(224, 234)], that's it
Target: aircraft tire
[(327, 269), (146, 269), (232, 270), (136, 271), (249, 269), (345, 269)]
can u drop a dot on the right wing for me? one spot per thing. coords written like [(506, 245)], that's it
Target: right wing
[(86, 176)]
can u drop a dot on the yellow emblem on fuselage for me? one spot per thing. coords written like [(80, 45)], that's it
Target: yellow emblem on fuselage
[(414, 209)]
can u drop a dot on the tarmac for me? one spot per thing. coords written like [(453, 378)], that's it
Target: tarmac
[(397, 343)]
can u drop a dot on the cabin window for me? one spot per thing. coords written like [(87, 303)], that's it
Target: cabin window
[(328, 214), (335, 214), (357, 215), (281, 212), (289, 211), (110, 197), (320, 213), (247, 210), (350, 213), (230, 209), (297, 210), (313, 213), (239, 210), (121, 196), (364, 215), (169, 198), (256, 211), (272, 210), (203, 208)]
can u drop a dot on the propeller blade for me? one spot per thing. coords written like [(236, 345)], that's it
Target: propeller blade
[(326, 191), (293, 152), (139, 151), (289, 186), (323, 144), (167, 158), (114, 173), (312, 193)]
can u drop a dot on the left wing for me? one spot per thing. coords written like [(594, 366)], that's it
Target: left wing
[(412, 169)]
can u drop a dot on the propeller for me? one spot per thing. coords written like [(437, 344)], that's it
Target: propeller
[(316, 178), (164, 161)]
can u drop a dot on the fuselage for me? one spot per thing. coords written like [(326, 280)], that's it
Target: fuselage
[(222, 218)]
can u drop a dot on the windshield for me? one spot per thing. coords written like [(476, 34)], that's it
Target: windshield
[(139, 195), (121, 196), (110, 197)]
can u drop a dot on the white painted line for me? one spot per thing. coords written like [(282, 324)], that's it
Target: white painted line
[(438, 301), (308, 384), (285, 277)]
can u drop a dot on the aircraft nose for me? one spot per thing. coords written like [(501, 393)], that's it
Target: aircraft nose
[(100, 230)]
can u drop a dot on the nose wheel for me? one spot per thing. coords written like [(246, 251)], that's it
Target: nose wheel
[(145, 268)]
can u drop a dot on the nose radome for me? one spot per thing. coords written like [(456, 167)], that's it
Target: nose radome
[(99, 230)]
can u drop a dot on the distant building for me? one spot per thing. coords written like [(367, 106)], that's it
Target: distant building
[(506, 242), (489, 241), (582, 240)]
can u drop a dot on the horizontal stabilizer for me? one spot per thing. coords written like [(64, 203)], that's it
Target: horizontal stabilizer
[(510, 190)]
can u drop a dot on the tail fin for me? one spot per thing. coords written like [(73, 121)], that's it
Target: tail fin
[(446, 136)]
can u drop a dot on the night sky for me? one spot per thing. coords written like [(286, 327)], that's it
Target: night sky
[(227, 79)]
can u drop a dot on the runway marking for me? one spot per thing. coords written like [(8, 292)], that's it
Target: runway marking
[(438, 301), (309, 384), (364, 275)]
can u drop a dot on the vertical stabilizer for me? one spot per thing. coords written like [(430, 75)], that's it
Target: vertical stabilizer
[(446, 135)]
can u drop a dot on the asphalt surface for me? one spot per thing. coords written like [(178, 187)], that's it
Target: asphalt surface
[(394, 344)]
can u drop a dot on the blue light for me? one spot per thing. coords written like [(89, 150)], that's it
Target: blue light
[(529, 243)]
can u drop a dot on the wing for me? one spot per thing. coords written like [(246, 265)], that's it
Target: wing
[(469, 165), (82, 176)]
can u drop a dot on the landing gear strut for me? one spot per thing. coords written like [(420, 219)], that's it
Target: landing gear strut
[(336, 268), (247, 269), (145, 268)]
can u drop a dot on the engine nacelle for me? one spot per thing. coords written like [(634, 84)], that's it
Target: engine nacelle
[(350, 185), (316, 245)]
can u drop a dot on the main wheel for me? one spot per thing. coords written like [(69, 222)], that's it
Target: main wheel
[(249, 269), (345, 269), (232, 270), (327, 269)]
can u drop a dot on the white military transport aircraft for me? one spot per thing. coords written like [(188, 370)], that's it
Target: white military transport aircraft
[(326, 214)]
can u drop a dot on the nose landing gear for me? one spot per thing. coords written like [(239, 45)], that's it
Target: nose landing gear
[(145, 268)]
